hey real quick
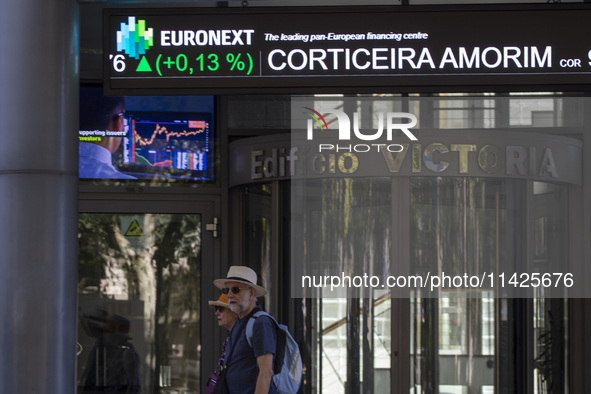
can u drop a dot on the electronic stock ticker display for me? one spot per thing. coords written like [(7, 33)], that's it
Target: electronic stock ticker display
[(309, 50)]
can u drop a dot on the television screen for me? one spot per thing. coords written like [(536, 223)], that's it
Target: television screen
[(176, 145), (122, 143)]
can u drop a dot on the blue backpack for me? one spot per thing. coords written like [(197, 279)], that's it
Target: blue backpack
[(288, 363)]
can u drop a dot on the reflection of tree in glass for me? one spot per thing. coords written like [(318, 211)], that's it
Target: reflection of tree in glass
[(177, 257), (161, 269), (455, 224), (95, 233), (354, 227)]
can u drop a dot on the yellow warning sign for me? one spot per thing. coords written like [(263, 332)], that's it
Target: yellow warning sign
[(134, 229)]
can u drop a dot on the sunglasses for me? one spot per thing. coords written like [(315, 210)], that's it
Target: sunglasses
[(219, 309), (233, 289)]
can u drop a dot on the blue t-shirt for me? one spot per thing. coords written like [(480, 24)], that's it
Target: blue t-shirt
[(243, 369)]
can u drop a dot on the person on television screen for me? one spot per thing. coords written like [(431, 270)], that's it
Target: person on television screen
[(99, 115)]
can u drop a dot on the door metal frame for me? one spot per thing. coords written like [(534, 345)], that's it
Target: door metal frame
[(209, 208)]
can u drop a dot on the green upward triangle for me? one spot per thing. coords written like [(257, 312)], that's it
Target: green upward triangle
[(143, 66)]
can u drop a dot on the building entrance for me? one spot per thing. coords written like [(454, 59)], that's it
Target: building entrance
[(447, 340), (463, 200)]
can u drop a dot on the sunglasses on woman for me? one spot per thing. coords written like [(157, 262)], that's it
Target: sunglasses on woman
[(219, 309), (233, 289)]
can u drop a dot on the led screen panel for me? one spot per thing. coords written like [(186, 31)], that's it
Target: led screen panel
[(291, 50)]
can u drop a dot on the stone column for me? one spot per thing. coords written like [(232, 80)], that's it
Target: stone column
[(38, 195)]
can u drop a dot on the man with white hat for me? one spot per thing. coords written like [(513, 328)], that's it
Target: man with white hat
[(249, 369)]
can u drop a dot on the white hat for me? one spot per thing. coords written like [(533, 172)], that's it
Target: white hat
[(241, 274)]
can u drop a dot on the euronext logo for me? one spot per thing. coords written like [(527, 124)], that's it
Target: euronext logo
[(133, 38)]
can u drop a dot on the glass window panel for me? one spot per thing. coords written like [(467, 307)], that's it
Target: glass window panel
[(526, 111), (533, 112), (139, 297), (458, 112), (550, 314), (349, 220), (452, 325), (257, 235), (471, 223), (488, 323), (334, 345), (382, 343)]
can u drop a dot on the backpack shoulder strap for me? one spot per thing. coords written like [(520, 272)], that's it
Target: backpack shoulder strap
[(250, 324)]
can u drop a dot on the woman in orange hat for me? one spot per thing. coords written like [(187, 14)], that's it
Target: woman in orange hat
[(226, 319), (225, 316)]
